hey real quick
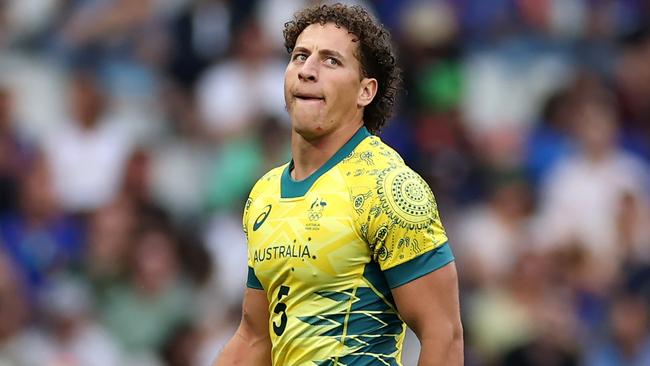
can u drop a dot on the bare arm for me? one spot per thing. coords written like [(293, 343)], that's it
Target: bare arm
[(430, 306), (251, 344)]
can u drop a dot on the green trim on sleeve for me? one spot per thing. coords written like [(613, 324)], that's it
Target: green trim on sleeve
[(291, 188), (252, 281), (419, 266)]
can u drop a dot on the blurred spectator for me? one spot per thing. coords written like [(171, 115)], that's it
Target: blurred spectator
[(14, 153), (447, 157), (629, 343), (427, 24), (581, 196), (182, 348), (21, 22), (216, 333), (272, 15), (504, 316), (136, 184), (491, 236), (143, 311), (88, 155), (541, 352), (127, 44), (39, 237), (549, 140), (71, 336), (110, 230), (554, 342), (223, 235), (15, 312), (179, 174), (633, 233), (633, 88), (505, 85), (200, 34), (243, 160), (102, 22), (233, 94)]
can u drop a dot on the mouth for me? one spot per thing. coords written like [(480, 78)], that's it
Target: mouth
[(309, 97)]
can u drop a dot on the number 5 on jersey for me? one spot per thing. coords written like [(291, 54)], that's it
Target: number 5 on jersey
[(281, 309)]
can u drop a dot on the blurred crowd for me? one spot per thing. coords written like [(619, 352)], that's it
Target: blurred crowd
[(132, 131)]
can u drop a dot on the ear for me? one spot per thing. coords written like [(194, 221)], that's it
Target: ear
[(367, 92)]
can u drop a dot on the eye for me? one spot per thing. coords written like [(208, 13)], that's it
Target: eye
[(332, 61), (299, 57)]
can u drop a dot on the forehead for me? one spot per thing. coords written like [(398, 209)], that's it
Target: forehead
[(328, 36)]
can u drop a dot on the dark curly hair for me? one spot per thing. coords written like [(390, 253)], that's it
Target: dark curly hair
[(375, 53)]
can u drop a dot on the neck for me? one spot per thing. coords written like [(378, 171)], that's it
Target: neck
[(310, 154)]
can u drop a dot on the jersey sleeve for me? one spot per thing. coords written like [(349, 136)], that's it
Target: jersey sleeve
[(248, 223), (403, 227), (252, 281)]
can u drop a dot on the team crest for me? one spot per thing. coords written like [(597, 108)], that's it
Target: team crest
[(316, 209), (315, 213)]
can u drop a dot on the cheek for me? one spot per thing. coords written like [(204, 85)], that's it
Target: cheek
[(290, 75), (346, 95), (350, 85), (287, 94)]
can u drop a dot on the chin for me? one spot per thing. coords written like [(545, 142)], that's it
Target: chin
[(309, 128), (305, 122)]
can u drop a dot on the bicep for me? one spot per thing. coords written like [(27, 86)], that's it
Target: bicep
[(255, 315), (251, 344), (430, 304)]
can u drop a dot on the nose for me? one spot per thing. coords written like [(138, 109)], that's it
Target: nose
[(309, 70)]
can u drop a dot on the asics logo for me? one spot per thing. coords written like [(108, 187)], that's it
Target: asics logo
[(262, 217)]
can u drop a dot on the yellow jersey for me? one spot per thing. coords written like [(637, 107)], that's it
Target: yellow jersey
[(327, 251)]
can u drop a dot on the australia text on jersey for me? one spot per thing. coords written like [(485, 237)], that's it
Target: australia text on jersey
[(282, 251)]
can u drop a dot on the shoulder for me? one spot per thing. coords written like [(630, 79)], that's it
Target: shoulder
[(270, 177), (265, 185), (377, 173), (269, 181), (365, 167), (405, 197), (369, 159)]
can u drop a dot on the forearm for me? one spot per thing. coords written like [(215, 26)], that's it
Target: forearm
[(435, 352), (245, 350)]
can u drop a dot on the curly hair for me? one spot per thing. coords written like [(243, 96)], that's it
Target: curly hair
[(375, 53)]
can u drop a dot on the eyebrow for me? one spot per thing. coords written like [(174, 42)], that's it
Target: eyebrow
[(323, 52)]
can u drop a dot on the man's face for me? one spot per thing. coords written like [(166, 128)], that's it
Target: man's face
[(323, 87)]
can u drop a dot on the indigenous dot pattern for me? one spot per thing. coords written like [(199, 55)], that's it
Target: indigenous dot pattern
[(406, 198)]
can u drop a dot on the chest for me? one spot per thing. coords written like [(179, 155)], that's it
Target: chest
[(312, 239)]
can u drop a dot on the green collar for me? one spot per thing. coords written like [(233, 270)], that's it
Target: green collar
[(291, 188)]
